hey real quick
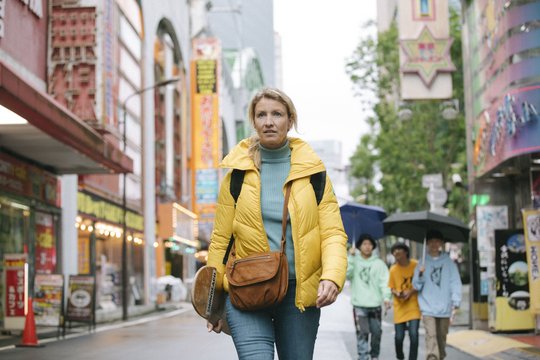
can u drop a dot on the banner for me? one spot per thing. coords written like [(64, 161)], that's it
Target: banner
[(531, 226), (207, 146)]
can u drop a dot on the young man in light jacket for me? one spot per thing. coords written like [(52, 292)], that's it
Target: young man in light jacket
[(369, 290), (439, 294)]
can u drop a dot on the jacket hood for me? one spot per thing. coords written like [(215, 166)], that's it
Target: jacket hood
[(304, 160)]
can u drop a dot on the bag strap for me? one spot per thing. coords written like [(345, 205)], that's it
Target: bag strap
[(285, 217)]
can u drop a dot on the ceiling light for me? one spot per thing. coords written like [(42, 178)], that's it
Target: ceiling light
[(498, 175)]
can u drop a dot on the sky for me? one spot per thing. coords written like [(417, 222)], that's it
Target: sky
[(317, 37)]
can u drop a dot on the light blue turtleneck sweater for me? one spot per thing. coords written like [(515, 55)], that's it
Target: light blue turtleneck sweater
[(275, 167)]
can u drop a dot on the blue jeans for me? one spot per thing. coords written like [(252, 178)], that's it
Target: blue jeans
[(293, 332), (412, 326), (368, 321)]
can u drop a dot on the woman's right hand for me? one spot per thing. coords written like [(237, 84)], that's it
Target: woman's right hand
[(214, 327)]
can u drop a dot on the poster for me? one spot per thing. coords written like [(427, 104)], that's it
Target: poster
[(512, 284), (535, 188), (48, 295), (15, 292), (45, 244), (531, 226), (488, 219), (81, 299)]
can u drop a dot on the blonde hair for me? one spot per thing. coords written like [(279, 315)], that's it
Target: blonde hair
[(273, 94)]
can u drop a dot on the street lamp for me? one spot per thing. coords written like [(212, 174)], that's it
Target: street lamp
[(125, 275)]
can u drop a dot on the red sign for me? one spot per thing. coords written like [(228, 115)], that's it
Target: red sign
[(45, 244), (15, 287)]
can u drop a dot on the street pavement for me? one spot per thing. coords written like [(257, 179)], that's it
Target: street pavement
[(181, 334)]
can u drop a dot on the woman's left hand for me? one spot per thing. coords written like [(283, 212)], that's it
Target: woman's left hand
[(327, 293)]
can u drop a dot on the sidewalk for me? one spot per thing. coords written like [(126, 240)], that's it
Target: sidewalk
[(113, 319), (486, 345)]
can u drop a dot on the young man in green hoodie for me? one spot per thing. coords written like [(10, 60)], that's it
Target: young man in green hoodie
[(369, 291)]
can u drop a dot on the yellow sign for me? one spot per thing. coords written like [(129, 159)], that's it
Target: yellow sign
[(100, 209), (531, 226), (207, 146)]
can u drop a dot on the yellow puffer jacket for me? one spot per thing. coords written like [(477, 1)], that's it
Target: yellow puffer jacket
[(317, 231)]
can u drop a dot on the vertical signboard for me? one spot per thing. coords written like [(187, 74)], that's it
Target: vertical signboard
[(15, 291), (425, 41), (207, 152), (48, 296), (531, 226), (45, 244), (512, 305)]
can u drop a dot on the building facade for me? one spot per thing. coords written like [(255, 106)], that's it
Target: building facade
[(42, 139), (502, 72), (98, 137)]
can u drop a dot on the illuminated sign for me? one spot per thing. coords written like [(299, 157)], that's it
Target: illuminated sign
[(100, 209)]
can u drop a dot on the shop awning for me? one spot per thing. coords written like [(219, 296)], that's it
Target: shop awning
[(52, 136)]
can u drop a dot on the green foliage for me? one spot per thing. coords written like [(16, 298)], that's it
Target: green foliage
[(391, 159)]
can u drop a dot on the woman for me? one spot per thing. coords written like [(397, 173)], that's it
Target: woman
[(315, 240)]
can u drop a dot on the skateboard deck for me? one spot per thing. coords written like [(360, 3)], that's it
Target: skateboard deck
[(208, 298)]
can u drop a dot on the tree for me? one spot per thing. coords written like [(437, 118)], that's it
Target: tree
[(392, 158)]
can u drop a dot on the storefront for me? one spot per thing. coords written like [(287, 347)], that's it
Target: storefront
[(29, 217), (178, 244), (100, 237), (502, 85)]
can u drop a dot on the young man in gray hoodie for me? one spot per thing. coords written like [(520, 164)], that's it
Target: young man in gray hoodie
[(368, 275), (439, 294)]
